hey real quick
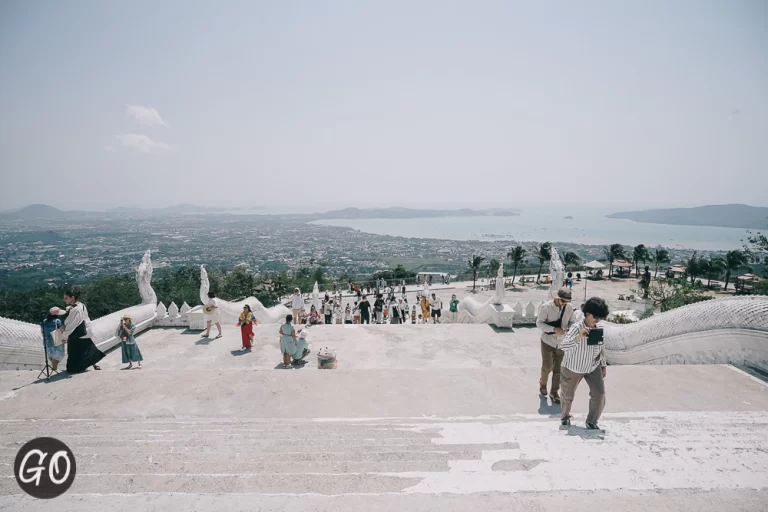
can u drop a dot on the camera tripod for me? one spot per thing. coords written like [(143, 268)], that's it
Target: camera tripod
[(47, 369)]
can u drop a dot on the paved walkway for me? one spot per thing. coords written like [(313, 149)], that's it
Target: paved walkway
[(414, 418)]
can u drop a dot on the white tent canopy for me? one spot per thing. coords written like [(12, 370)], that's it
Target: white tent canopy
[(594, 264)]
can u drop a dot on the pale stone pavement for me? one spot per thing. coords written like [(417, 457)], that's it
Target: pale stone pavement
[(415, 418)]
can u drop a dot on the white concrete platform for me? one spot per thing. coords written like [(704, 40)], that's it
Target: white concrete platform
[(415, 418)]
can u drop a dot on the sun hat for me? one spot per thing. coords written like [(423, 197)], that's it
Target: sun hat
[(564, 293)]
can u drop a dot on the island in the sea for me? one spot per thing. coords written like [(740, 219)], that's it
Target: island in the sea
[(568, 217), (719, 215), (410, 213)]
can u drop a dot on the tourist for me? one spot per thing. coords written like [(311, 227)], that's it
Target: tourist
[(555, 317), (246, 321), (297, 306), (414, 314), (328, 310), (378, 309), (358, 292), (356, 313), (397, 312), (348, 315), (436, 305), (403, 288), (211, 311), (51, 323), (365, 311), (314, 316), (424, 308), (327, 298), (338, 313), (128, 347), (453, 309), (584, 359), (294, 350), (81, 352)]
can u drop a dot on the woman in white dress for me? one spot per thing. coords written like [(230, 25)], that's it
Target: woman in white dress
[(81, 351), (212, 316)]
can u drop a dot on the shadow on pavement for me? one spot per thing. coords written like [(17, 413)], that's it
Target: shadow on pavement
[(545, 409)]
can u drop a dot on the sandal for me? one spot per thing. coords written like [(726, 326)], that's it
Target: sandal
[(217, 337), (95, 367)]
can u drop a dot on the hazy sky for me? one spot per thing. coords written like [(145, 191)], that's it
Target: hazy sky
[(413, 103)]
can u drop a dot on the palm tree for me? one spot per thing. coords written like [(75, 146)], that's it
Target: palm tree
[(660, 257), (712, 267), (493, 267), (612, 253), (640, 253), (517, 255), (695, 267), (474, 264), (571, 258), (544, 253), (734, 260)]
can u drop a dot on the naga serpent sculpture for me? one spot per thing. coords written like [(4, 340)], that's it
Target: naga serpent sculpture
[(231, 310), (21, 342)]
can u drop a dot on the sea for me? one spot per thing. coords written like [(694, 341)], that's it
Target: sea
[(587, 226)]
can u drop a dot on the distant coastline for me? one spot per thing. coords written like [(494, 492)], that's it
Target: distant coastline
[(411, 213), (721, 216)]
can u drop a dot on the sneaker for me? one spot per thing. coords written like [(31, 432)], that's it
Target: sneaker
[(543, 390), (592, 426), (555, 397), (566, 422)]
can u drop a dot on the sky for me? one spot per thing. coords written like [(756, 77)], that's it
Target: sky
[(398, 103)]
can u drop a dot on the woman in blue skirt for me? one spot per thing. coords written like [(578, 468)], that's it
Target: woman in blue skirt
[(128, 346)]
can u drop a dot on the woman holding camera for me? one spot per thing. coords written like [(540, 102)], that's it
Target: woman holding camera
[(128, 346), (584, 359)]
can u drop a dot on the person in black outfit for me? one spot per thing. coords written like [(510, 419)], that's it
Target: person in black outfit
[(378, 309), (365, 311), (396, 312)]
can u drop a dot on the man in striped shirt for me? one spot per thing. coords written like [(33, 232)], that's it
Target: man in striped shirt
[(584, 360)]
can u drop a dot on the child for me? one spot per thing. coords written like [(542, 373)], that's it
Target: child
[(420, 321), (413, 314), (356, 314), (348, 315)]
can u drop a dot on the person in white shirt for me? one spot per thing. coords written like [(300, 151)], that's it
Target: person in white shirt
[(328, 311), (212, 316), (435, 306), (338, 313), (555, 318), (76, 333), (348, 315), (584, 359), (297, 306)]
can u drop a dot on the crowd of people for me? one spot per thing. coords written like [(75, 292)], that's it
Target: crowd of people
[(571, 340), (386, 308)]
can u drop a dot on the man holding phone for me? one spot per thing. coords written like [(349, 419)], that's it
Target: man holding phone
[(555, 317), (584, 359)]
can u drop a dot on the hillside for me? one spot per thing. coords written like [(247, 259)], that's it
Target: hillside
[(34, 211), (722, 215)]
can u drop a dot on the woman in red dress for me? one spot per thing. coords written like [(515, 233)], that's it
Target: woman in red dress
[(246, 323)]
